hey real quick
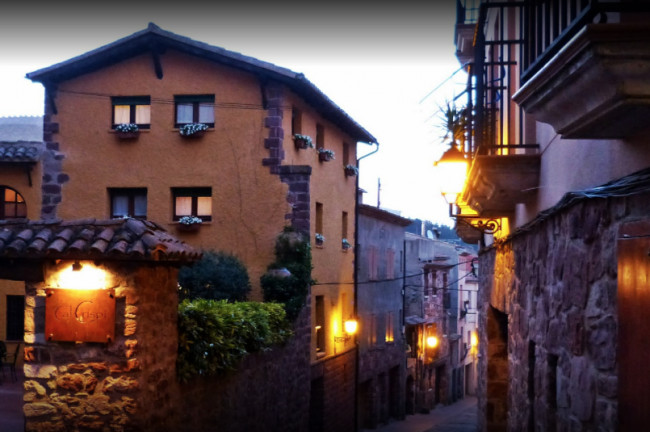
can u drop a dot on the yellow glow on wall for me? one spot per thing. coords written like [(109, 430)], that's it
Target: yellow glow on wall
[(473, 339), (80, 275), (351, 326)]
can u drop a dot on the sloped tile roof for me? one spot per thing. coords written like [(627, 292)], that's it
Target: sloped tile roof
[(22, 151), (155, 39), (21, 128), (115, 239)]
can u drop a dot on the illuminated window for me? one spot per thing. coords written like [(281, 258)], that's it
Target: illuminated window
[(390, 327), (319, 324), (128, 202), (13, 204), (192, 202), (194, 109), (134, 109)]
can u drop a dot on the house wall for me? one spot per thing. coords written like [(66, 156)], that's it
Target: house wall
[(379, 357), (260, 181), (565, 312)]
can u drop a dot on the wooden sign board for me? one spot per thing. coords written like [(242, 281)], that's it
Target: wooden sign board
[(80, 315)]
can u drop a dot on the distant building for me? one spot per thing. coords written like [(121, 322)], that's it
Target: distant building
[(380, 266), (431, 322)]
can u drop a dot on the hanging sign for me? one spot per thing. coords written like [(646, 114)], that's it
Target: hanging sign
[(80, 315)]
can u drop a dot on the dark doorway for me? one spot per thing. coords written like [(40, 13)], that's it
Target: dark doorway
[(317, 405)]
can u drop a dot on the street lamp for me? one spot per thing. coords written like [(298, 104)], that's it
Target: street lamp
[(452, 173)]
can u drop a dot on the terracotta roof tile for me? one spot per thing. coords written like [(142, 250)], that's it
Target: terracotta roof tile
[(21, 151), (123, 239)]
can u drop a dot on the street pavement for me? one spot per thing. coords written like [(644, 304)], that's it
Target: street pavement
[(11, 402), (460, 416)]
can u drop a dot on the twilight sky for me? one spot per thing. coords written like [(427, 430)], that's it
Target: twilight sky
[(379, 62)]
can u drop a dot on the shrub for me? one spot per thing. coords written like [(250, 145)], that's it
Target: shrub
[(213, 336), (217, 276), (293, 252)]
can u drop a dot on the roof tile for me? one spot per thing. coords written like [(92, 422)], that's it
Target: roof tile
[(124, 239)]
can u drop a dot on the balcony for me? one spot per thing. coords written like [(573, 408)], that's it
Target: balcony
[(596, 86), (505, 166)]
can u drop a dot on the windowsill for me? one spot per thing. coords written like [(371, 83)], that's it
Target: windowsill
[(113, 131), (320, 355)]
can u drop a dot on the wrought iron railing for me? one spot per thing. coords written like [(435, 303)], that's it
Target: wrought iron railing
[(496, 124), (550, 24)]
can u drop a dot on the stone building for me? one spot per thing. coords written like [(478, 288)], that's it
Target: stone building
[(558, 157), (382, 371), (431, 322), (243, 175)]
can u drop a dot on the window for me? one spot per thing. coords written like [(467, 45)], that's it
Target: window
[(346, 153), (13, 204), (319, 324), (192, 202), (319, 218), (296, 121), (320, 136), (15, 317), (128, 202), (134, 109), (390, 327), (344, 225), (194, 109), (390, 263), (372, 263)]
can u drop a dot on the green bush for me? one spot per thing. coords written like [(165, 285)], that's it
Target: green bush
[(217, 276), (215, 335), (292, 252)]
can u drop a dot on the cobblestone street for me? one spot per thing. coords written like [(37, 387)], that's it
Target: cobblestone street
[(457, 417)]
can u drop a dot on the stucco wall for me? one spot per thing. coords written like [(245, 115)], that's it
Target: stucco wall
[(557, 285)]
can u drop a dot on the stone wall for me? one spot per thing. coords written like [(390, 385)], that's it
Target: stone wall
[(268, 392), (338, 383), (130, 383), (556, 281), (94, 386)]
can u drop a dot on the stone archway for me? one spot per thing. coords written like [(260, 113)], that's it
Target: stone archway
[(84, 369)]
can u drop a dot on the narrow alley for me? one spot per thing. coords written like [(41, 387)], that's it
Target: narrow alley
[(457, 417)]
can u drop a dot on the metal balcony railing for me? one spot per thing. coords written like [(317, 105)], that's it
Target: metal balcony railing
[(496, 124), (548, 25)]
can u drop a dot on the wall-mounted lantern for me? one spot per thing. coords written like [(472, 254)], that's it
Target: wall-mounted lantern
[(473, 340), (350, 328), (432, 341), (452, 171)]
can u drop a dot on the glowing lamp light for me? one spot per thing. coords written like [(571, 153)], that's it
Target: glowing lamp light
[(452, 172), (473, 341), (78, 276), (350, 326), (432, 341)]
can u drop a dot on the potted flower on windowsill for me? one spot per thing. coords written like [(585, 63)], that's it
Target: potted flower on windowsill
[(127, 130), (325, 155), (302, 141), (345, 244), (192, 129), (320, 239), (351, 170), (189, 223)]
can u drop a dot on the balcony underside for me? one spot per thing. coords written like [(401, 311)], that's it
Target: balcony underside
[(497, 183), (597, 86)]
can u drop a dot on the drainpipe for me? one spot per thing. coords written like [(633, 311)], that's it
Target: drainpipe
[(355, 278)]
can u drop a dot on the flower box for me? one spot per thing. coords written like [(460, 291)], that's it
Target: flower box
[(351, 170), (189, 223), (127, 131), (325, 155), (192, 130), (302, 141), (320, 239)]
